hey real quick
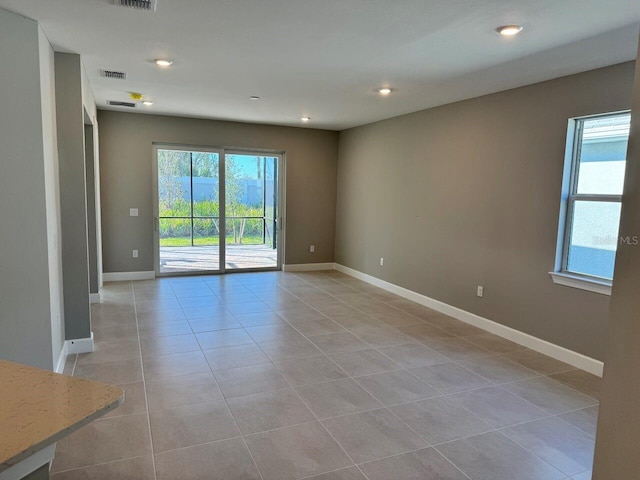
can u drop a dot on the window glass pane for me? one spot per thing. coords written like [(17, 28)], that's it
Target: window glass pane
[(602, 155), (174, 183), (594, 238)]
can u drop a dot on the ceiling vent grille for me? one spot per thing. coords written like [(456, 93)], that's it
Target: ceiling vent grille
[(149, 5), (116, 103), (113, 74)]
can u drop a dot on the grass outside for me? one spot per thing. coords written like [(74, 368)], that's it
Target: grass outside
[(207, 241)]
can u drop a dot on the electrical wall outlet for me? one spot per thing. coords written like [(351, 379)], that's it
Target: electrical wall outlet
[(480, 291), (135, 254), (381, 261), (312, 248), (133, 212)]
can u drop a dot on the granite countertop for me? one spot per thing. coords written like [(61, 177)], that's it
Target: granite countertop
[(38, 408)]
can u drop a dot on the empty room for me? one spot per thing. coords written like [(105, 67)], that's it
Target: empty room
[(328, 240)]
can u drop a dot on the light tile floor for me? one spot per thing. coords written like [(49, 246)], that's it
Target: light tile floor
[(318, 375)]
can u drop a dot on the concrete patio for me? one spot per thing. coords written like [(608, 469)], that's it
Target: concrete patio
[(206, 258)]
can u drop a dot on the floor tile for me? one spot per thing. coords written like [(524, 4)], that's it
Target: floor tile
[(163, 316), (173, 365), (424, 332), (140, 468), (337, 398), (223, 338), (498, 369), (458, 349), (586, 419), (494, 343), (538, 362), (296, 452), (338, 343), (182, 390), (286, 349), (269, 410), (364, 362), (247, 380), (454, 326), (134, 401), (581, 381), (259, 319), (440, 420), (112, 334), (203, 301), (273, 332), (373, 435), (111, 351), (550, 395), (450, 378), (353, 322), (350, 473), (247, 308), (381, 336), (582, 476), (235, 356), (104, 440), (312, 328), (492, 456), (214, 311), (563, 446), (392, 388), (307, 371), (164, 329), (426, 464), (413, 355), (123, 371), (223, 460), (498, 407), (191, 425), (155, 346), (200, 325)]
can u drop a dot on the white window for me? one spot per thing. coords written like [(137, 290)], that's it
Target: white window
[(591, 201)]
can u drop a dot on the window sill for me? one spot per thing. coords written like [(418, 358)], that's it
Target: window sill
[(602, 287)]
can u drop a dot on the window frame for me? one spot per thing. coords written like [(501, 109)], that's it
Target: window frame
[(561, 274)]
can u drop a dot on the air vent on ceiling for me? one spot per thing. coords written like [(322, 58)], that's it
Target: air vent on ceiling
[(149, 5), (116, 103), (113, 74)]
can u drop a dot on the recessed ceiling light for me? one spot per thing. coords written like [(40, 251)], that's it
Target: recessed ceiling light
[(385, 90), (305, 119), (509, 30), (254, 97), (148, 103), (161, 62)]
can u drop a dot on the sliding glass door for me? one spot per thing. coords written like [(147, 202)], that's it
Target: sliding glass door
[(250, 213), (216, 211)]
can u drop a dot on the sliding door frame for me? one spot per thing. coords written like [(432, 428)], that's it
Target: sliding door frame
[(222, 153)]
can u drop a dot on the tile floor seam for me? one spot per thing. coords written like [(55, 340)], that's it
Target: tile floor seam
[(144, 386), (235, 421), (325, 428)]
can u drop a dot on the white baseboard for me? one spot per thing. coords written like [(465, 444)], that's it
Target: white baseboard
[(94, 297), (79, 345), (308, 267), (125, 276), (575, 359)]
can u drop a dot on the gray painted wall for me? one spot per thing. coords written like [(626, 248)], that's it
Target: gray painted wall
[(468, 194), (618, 438), (28, 233), (126, 181), (73, 202)]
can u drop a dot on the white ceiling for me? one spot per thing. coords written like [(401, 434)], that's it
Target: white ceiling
[(323, 58)]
